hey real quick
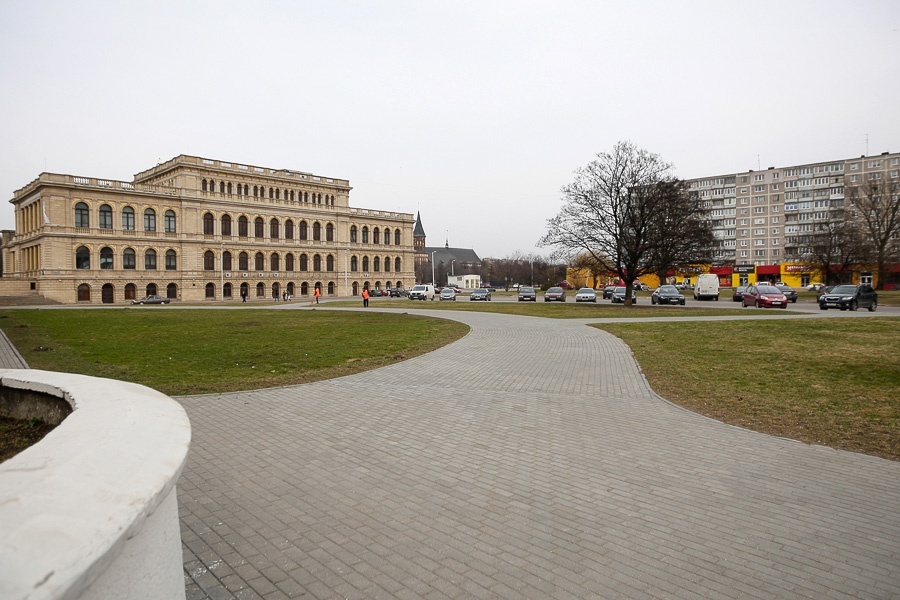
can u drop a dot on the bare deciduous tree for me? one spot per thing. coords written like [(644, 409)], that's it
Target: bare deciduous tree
[(619, 211), (874, 207)]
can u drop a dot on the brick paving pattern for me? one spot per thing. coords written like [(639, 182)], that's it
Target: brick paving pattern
[(530, 459)]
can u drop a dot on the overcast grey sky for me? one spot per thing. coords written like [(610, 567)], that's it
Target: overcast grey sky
[(474, 113)]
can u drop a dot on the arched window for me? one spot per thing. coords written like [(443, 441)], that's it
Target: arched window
[(128, 218), (210, 290), (376, 262), (329, 233), (376, 239), (172, 291), (306, 196), (354, 263), (245, 290), (259, 261), (329, 263), (317, 263), (226, 261), (84, 293), (212, 185), (317, 231), (242, 226), (226, 289), (365, 264), (304, 289), (331, 288), (105, 217), (204, 186), (209, 261), (130, 291), (274, 262), (271, 193), (229, 188), (397, 264), (290, 285), (302, 231), (387, 263), (289, 262), (276, 287), (82, 258), (82, 215), (260, 290), (274, 229), (222, 187), (259, 227), (243, 261), (128, 259), (396, 237), (387, 236), (277, 194), (255, 191), (170, 221), (353, 234), (171, 260), (150, 289), (355, 288), (226, 225), (149, 220), (209, 224), (288, 230), (304, 263), (106, 258), (365, 235), (150, 259)]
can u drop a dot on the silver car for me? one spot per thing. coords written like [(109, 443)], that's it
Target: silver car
[(448, 294), (586, 295)]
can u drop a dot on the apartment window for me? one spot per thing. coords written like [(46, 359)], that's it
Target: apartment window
[(226, 225), (208, 224), (288, 262), (329, 263), (209, 261), (274, 262), (259, 261), (302, 231), (854, 166), (353, 234), (243, 261), (288, 230), (274, 229), (105, 219), (304, 262), (128, 218), (150, 260), (759, 253), (317, 231), (397, 262), (759, 209), (106, 257), (243, 226), (259, 227), (365, 237), (376, 262), (743, 254), (329, 234), (354, 264), (171, 261)]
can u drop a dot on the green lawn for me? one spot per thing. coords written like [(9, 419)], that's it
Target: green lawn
[(823, 381), (202, 351)]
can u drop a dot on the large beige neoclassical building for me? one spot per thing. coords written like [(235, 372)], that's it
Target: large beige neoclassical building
[(194, 229)]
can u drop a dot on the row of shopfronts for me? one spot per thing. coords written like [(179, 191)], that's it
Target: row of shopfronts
[(796, 275)]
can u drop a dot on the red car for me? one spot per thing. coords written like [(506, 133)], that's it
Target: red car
[(763, 296)]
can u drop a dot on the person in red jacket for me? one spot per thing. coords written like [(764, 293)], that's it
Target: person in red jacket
[(365, 295), (317, 293)]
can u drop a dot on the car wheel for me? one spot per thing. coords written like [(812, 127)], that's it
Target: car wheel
[(873, 306), (758, 305), (823, 307), (854, 305), (681, 303), (652, 300)]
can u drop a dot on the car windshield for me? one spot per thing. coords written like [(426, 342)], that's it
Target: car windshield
[(525, 290), (667, 289), (554, 290), (844, 289), (585, 291), (785, 288), (419, 288), (480, 291), (768, 289), (619, 290)]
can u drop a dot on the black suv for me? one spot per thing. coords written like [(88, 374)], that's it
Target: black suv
[(850, 296)]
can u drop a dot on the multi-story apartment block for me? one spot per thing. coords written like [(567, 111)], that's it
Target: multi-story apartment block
[(195, 230), (763, 219)]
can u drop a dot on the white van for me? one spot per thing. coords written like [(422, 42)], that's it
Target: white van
[(423, 291), (707, 287)]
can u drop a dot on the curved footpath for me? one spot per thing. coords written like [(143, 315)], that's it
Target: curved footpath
[(529, 459)]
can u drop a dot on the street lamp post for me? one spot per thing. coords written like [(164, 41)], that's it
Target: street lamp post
[(432, 267), (452, 274)]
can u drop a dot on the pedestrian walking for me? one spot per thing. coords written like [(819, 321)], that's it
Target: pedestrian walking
[(317, 293), (243, 295), (365, 296)]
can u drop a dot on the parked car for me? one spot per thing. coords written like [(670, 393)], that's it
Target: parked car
[(640, 285), (555, 294), (763, 296), (152, 299), (618, 295), (788, 291), (814, 287), (424, 291), (738, 293), (480, 294), (707, 287), (448, 293), (398, 293), (565, 285), (527, 294), (608, 291), (667, 294), (850, 297), (586, 295)]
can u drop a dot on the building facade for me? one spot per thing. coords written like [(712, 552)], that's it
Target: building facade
[(194, 229), (762, 219)]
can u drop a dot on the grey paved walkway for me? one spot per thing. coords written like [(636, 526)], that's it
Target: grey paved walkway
[(527, 460)]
